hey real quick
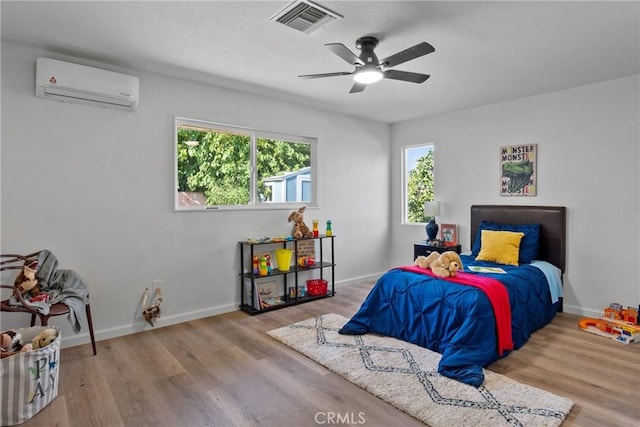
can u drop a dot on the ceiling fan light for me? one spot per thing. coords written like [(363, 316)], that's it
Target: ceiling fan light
[(368, 76)]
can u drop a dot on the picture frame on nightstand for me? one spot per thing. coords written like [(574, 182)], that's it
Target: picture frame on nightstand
[(449, 234)]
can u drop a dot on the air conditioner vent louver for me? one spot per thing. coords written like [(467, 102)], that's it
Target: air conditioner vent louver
[(305, 16), (69, 82), (302, 17)]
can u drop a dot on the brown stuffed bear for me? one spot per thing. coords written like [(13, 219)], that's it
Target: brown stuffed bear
[(300, 229), (26, 280), (444, 265)]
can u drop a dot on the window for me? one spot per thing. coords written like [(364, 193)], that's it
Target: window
[(418, 182), (221, 166)]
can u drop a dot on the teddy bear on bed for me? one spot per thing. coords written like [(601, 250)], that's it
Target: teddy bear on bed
[(445, 264), (300, 229)]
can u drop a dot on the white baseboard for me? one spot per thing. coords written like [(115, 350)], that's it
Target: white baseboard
[(142, 326), (162, 321), (581, 311), (368, 278)]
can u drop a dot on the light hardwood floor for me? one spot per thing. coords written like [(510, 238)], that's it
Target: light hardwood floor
[(226, 371)]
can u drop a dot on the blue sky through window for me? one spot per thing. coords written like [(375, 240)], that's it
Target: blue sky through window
[(414, 153)]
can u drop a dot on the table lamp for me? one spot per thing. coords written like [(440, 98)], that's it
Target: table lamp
[(432, 209)]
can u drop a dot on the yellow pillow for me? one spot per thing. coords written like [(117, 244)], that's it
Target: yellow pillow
[(502, 247)]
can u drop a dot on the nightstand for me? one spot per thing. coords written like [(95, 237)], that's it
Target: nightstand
[(422, 248)]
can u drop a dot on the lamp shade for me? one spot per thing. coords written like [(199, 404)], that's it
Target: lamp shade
[(432, 208)]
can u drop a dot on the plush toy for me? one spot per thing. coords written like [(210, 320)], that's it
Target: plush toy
[(26, 280), (444, 265), (11, 343), (44, 338), (300, 229), (421, 262)]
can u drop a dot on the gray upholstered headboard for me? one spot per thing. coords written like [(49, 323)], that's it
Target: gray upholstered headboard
[(552, 220)]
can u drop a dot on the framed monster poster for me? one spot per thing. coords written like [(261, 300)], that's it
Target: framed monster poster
[(518, 170)]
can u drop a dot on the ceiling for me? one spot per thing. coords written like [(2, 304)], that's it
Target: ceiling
[(486, 52)]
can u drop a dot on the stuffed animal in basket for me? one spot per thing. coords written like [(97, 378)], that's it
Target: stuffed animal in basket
[(444, 265), (44, 338), (11, 342), (26, 280), (300, 229)]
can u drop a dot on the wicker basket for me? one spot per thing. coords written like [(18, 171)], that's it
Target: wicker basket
[(317, 287)]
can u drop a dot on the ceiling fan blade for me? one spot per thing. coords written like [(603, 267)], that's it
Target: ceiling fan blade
[(317, 76), (344, 53), (357, 87), (408, 54), (405, 76)]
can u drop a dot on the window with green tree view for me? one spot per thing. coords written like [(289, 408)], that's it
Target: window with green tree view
[(221, 166), (418, 181)]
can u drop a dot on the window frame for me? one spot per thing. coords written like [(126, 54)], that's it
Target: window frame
[(255, 134), (405, 182)]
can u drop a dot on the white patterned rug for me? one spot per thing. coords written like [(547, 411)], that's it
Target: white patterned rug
[(406, 376)]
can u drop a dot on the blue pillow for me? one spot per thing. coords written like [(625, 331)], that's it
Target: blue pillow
[(528, 244)]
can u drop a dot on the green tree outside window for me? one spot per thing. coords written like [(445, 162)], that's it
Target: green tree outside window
[(420, 186), (215, 164)]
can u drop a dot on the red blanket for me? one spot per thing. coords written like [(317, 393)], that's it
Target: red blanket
[(495, 291)]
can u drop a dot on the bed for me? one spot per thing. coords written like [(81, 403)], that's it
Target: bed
[(476, 318)]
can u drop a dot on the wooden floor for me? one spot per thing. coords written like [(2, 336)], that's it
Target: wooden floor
[(225, 371)]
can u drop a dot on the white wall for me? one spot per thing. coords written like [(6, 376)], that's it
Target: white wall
[(95, 187), (588, 161)]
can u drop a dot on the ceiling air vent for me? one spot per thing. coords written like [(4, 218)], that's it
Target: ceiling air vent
[(305, 16)]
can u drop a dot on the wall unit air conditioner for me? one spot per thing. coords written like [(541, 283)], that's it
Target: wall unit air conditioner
[(64, 81)]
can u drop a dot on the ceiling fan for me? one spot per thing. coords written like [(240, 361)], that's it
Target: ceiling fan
[(369, 69)]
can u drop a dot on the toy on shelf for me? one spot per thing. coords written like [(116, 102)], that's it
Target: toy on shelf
[(300, 229), (306, 261), (262, 267), (255, 267), (618, 323)]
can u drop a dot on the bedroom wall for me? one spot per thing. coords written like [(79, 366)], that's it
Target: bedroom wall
[(588, 160), (95, 186)]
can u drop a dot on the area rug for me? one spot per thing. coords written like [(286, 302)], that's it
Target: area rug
[(406, 376)]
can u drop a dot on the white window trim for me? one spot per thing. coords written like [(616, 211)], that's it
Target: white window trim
[(404, 183), (255, 133)]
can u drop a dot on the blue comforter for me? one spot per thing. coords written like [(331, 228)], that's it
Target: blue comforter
[(454, 320)]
